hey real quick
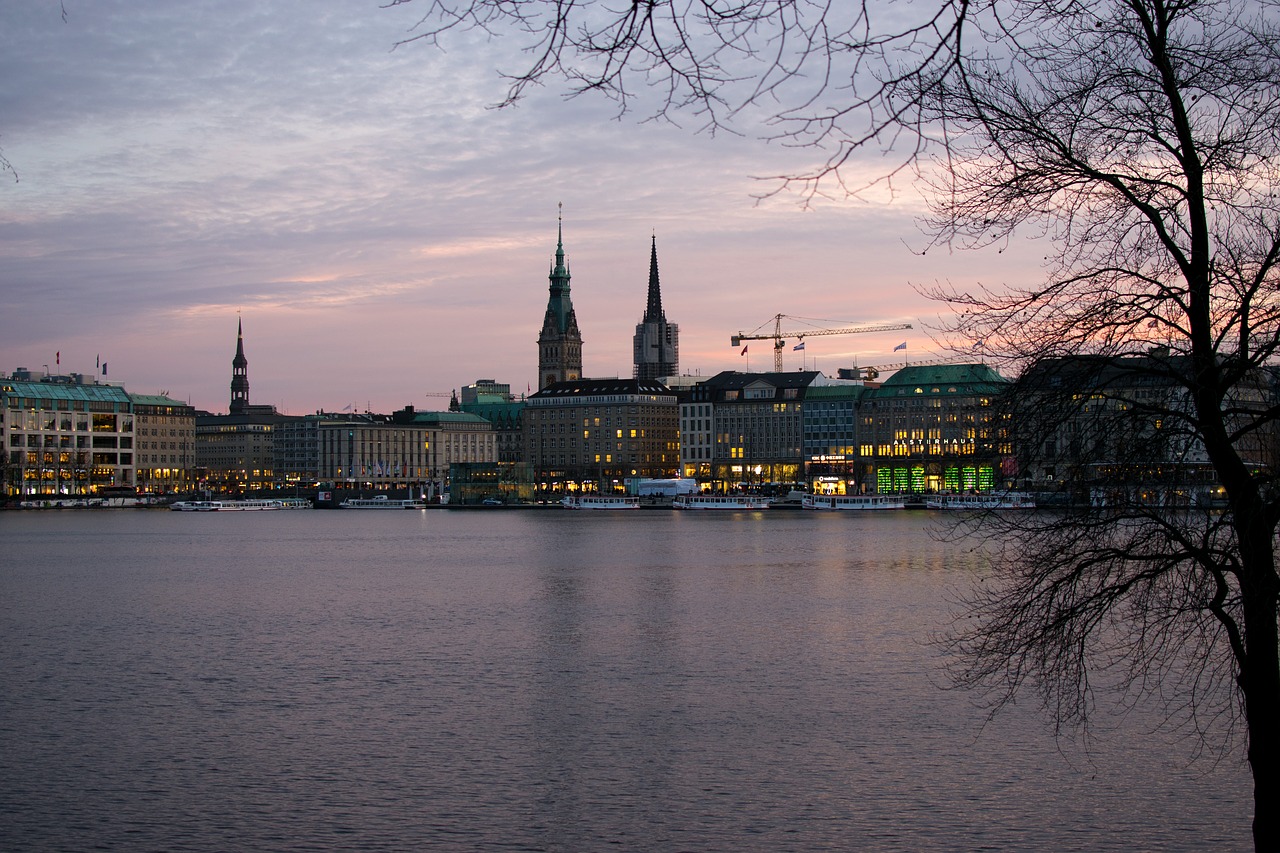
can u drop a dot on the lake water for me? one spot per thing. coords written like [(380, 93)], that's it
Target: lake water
[(493, 680)]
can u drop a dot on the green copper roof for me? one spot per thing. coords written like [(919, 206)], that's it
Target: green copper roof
[(943, 379), (445, 418), (846, 391), (63, 391), (559, 303)]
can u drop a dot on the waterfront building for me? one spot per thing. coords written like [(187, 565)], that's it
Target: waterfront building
[(594, 434), (656, 345), (455, 438), (235, 452), (367, 451), (932, 428), (1107, 425), (371, 451), (64, 435), (495, 403), (165, 443), (697, 426), (560, 342), (830, 434), (758, 427), (771, 431)]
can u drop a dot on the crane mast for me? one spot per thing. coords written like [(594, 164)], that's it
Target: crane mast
[(779, 337)]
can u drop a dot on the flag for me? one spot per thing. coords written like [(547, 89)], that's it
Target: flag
[(798, 346), (744, 350), (104, 368), (58, 358), (902, 345), (99, 362)]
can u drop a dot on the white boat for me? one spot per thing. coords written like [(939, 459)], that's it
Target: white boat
[(852, 503), (383, 502), (226, 506), (724, 502), (992, 500), (600, 502)]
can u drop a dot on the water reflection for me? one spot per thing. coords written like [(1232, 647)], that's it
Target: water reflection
[(532, 681)]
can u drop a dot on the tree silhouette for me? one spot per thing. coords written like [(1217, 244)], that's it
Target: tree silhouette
[(1139, 139)]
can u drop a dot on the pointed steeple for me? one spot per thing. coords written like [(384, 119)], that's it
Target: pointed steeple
[(560, 271), (239, 374), (653, 312), (560, 344), (656, 345)]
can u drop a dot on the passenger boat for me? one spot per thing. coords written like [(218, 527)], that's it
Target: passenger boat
[(852, 503), (600, 502), (992, 500), (714, 502), (226, 506), (382, 502)]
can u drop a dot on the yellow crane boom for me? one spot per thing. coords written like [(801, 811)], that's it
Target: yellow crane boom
[(779, 337)]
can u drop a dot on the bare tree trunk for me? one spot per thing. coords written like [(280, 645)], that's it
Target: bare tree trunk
[(1259, 681)]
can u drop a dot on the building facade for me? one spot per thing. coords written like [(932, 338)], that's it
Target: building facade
[(594, 434), (1122, 429), (697, 427), (165, 445), (560, 342), (375, 452), (65, 436), (934, 428), (830, 434), (924, 429), (236, 453), (758, 429), (656, 345)]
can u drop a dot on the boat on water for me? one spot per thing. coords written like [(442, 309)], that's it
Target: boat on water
[(721, 502), (600, 502), (226, 506), (383, 502), (852, 503), (794, 499), (979, 502)]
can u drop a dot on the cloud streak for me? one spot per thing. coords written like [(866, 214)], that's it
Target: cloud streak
[(381, 231)]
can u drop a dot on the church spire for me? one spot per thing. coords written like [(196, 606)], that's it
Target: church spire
[(239, 374), (653, 312), (560, 270), (560, 344), (656, 345)]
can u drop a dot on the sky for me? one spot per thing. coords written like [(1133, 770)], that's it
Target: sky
[(381, 231)]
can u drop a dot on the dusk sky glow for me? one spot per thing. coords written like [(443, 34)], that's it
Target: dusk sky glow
[(383, 233)]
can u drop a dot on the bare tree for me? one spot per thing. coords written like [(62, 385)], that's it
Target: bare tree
[(1141, 139)]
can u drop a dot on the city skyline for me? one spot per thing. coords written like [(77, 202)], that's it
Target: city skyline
[(381, 234)]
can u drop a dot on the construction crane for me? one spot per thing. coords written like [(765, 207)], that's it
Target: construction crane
[(452, 395), (779, 337), (871, 372)]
